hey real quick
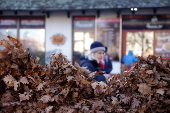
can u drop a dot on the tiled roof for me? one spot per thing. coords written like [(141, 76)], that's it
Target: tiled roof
[(79, 4)]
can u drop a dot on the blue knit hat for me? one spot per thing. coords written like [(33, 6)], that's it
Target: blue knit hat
[(96, 46)]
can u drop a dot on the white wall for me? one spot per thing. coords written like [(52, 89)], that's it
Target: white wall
[(116, 67), (58, 23)]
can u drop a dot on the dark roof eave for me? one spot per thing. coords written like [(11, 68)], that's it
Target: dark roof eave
[(76, 9)]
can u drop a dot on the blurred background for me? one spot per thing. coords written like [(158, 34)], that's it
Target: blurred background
[(70, 26)]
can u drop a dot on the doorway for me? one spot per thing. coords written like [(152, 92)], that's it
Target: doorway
[(83, 36), (140, 42)]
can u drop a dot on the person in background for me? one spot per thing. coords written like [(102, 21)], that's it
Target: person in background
[(107, 62), (94, 61), (129, 60)]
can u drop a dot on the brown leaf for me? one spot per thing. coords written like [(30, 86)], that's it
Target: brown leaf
[(149, 72), (144, 88), (9, 80), (78, 104), (65, 92), (16, 85), (42, 105), (40, 86), (75, 95), (95, 84), (7, 97), (126, 100), (15, 66), (69, 78), (45, 98), (2, 56), (160, 91), (24, 96), (19, 111), (24, 80), (114, 100), (85, 108), (135, 103), (97, 105), (83, 81), (5, 43), (48, 109)]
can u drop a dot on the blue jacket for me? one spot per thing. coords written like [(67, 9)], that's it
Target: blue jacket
[(129, 59), (92, 66), (108, 64)]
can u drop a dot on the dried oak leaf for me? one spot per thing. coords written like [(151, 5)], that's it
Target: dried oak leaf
[(83, 81), (74, 94), (97, 105), (65, 91), (63, 109), (42, 105), (81, 70), (16, 85), (126, 100), (85, 108), (157, 75), (67, 70), (48, 109), (159, 59), (149, 72), (95, 84), (24, 54), (45, 98), (31, 111), (33, 76), (7, 97), (69, 78), (14, 41), (2, 55), (166, 78), (15, 66), (24, 96), (40, 86), (79, 104), (114, 100), (19, 111), (108, 108), (144, 88), (160, 91), (135, 103), (72, 111), (98, 90), (24, 80), (58, 98), (168, 92), (9, 80), (5, 43), (36, 61), (108, 90), (142, 109)]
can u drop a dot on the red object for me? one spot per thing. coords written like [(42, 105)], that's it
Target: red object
[(109, 20), (101, 64), (84, 18)]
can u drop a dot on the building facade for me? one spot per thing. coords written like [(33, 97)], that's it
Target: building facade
[(69, 27)]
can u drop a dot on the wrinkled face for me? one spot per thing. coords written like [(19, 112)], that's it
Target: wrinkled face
[(98, 55)]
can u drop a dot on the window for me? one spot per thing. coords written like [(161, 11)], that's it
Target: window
[(84, 35), (30, 30)]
